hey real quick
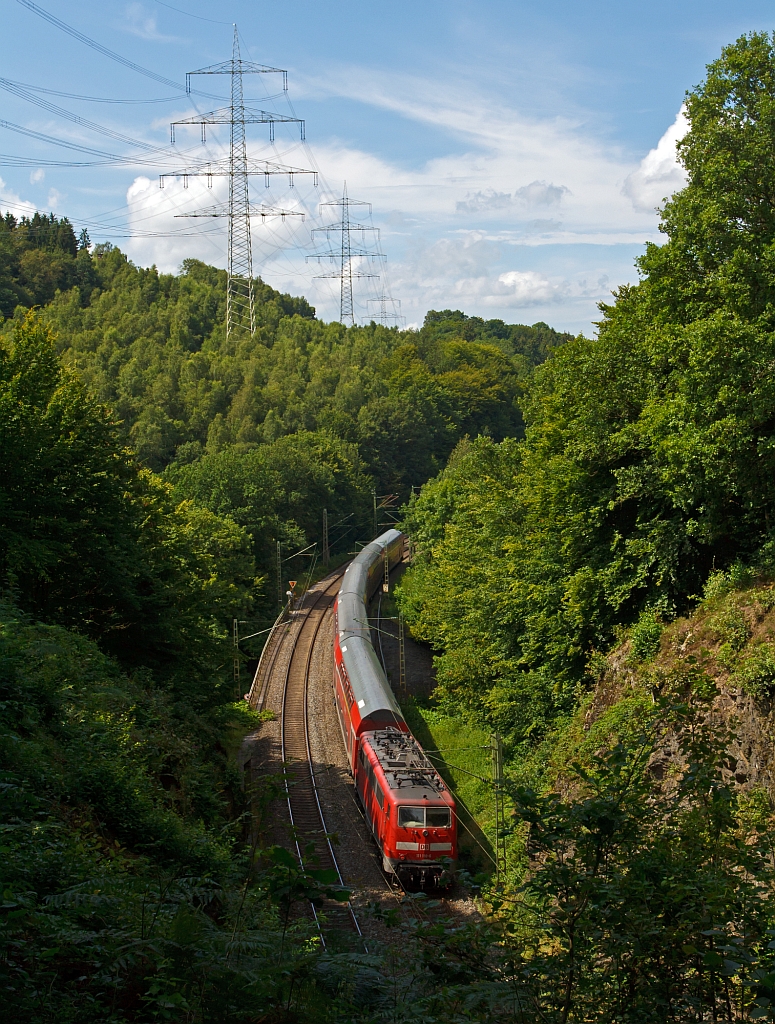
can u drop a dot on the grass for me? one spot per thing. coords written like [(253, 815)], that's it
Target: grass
[(461, 752)]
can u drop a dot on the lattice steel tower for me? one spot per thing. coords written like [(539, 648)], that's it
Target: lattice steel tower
[(346, 252), (240, 308), (389, 312)]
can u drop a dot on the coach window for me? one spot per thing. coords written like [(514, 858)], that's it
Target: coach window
[(379, 794), (437, 817), (411, 817)]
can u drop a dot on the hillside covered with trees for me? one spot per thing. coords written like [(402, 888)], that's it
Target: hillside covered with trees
[(648, 457), (269, 430)]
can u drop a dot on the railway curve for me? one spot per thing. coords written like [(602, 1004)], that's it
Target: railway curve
[(293, 680)]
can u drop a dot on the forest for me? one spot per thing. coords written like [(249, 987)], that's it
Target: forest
[(594, 571)]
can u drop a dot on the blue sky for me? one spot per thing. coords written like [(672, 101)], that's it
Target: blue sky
[(513, 152)]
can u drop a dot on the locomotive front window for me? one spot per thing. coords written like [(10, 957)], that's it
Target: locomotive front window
[(437, 817), (411, 817)]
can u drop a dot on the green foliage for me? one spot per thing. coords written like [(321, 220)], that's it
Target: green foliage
[(646, 635), (128, 894), (648, 455), (717, 585), (647, 901), (38, 257), (153, 348), (79, 732), (528, 346), (277, 491), (474, 592), (263, 431), (755, 673), (89, 540), (731, 626)]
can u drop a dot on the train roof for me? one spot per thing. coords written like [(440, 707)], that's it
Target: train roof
[(356, 574), (370, 687), (408, 772), (351, 615)]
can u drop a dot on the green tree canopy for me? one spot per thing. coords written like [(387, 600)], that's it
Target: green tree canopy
[(90, 540), (153, 348), (650, 450)]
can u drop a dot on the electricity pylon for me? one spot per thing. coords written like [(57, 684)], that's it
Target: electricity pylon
[(389, 310), (240, 308), (345, 253)]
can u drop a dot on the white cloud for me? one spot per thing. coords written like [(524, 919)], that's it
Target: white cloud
[(542, 227), (37, 176), (528, 287), (162, 234), (539, 193), (659, 174), (54, 200), (11, 202), (484, 202), (142, 23)]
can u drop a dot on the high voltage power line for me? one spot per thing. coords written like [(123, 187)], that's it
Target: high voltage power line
[(25, 94), (88, 41), (97, 99)]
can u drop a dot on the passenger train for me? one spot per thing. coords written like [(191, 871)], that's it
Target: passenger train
[(407, 804)]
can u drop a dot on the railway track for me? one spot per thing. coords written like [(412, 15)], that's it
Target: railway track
[(282, 683), (304, 806)]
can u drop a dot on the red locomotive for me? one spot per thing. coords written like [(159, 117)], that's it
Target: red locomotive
[(407, 804)]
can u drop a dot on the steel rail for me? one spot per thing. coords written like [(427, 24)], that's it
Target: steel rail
[(288, 723), (313, 780)]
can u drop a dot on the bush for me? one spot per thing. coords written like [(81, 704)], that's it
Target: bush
[(755, 674), (731, 627), (717, 585), (646, 636)]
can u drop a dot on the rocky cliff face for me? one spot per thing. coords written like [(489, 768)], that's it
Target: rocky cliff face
[(729, 643)]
